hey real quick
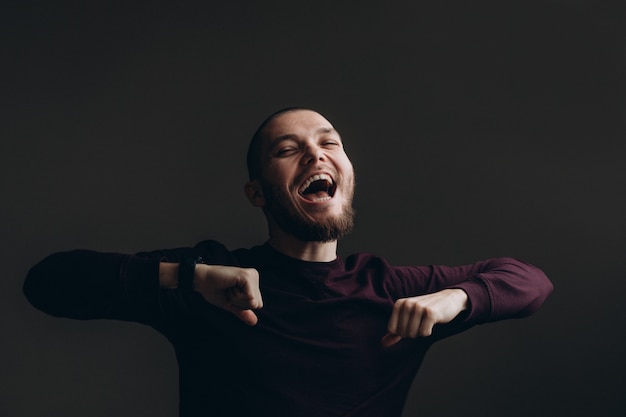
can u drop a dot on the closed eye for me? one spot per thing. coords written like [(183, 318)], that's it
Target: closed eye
[(331, 143), (284, 152)]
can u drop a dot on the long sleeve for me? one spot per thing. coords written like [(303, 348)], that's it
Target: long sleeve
[(85, 284), (505, 288), (497, 289)]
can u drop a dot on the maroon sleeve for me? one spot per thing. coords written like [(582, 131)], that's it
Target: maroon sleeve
[(85, 284), (497, 289)]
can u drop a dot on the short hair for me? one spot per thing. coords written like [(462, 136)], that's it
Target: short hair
[(253, 157)]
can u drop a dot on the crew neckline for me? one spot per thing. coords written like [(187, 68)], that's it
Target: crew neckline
[(296, 261)]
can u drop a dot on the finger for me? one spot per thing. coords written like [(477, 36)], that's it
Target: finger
[(426, 325), (404, 318), (247, 316), (392, 325), (245, 299), (414, 320), (250, 291), (410, 320), (255, 299), (390, 339)]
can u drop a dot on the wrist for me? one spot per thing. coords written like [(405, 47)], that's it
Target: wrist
[(462, 298), (168, 275), (187, 273)]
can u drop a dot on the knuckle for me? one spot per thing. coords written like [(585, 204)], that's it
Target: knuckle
[(425, 332), (413, 303), (405, 306), (251, 274), (427, 311)]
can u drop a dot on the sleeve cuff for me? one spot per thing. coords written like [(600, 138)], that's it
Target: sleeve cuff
[(479, 300)]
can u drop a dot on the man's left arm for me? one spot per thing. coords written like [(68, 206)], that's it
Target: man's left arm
[(486, 291)]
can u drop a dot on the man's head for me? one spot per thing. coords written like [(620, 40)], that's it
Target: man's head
[(300, 176)]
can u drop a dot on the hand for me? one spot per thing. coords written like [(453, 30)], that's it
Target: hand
[(416, 316), (231, 288)]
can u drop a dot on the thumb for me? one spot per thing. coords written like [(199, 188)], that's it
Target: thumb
[(247, 316), (390, 339)]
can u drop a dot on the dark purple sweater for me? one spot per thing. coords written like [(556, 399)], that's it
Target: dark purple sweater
[(316, 350)]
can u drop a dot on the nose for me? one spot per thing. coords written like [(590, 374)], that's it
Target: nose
[(312, 154)]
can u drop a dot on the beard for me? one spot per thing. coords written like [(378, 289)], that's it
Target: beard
[(281, 208)]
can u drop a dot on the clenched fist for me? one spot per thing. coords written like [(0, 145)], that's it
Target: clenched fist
[(416, 316), (231, 288)]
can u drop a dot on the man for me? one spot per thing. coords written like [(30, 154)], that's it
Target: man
[(288, 328)]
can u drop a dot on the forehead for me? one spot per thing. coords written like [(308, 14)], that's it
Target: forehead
[(297, 123)]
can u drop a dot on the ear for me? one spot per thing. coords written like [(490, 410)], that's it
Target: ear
[(254, 192)]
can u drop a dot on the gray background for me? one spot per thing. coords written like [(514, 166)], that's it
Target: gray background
[(477, 129)]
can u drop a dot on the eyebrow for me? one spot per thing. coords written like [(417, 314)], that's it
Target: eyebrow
[(327, 130)]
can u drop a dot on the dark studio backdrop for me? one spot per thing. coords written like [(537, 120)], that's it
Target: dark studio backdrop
[(477, 129)]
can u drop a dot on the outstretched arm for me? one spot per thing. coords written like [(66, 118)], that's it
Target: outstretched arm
[(486, 291), (89, 285)]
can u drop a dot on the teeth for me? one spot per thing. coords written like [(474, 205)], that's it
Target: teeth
[(317, 200), (315, 178)]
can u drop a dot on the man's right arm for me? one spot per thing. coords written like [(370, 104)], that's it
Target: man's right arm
[(86, 285)]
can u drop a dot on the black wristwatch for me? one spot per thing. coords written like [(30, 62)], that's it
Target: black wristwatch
[(186, 271)]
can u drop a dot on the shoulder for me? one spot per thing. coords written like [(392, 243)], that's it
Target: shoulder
[(215, 252), (210, 246)]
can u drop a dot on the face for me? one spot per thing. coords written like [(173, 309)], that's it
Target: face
[(307, 180)]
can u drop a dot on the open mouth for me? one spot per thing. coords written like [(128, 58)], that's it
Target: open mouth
[(320, 187)]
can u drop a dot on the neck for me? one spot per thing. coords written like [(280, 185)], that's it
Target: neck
[(306, 251)]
